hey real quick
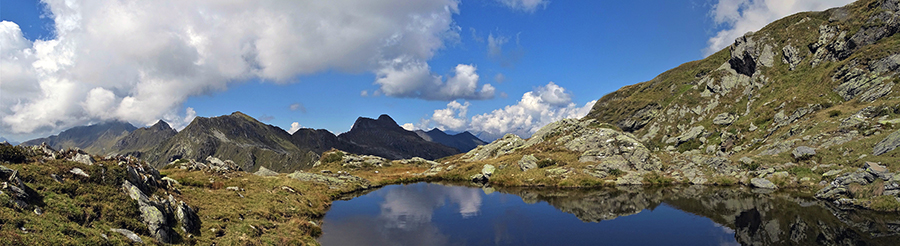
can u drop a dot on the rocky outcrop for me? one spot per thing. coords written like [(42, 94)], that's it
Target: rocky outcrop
[(160, 215), (842, 193), (485, 176), (791, 56), (867, 81), (640, 118), (889, 143), (688, 135), (611, 148), (509, 143), (747, 54), (333, 181)]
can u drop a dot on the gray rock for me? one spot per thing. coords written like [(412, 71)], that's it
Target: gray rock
[(265, 172), (803, 153), (188, 218), (832, 192), (79, 172), (640, 118), (488, 170), (746, 160), (887, 144), (479, 178), (792, 56), (83, 158), (724, 119), (762, 183), (689, 135), (129, 234), (508, 144), (528, 162), (832, 173)]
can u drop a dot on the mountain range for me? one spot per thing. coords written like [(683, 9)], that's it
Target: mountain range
[(251, 144)]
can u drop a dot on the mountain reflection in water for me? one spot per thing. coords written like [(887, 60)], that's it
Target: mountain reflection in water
[(436, 214)]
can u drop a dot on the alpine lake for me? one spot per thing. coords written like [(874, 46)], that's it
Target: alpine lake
[(464, 214)]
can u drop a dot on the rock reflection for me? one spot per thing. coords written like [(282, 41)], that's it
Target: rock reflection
[(757, 218)]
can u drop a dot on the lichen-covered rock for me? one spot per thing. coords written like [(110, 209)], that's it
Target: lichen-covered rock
[(488, 170), (889, 143), (528, 162), (688, 135), (188, 218), (507, 144), (762, 183), (791, 56), (129, 234), (803, 152), (265, 172), (334, 181), (724, 119), (83, 158)]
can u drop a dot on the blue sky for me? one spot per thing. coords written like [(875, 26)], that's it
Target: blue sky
[(322, 64)]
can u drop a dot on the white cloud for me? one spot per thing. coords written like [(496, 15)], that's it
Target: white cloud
[(737, 17), (500, 78), (403, 78), (294, 127), (537, 108), (525, 5), (495, 45), (453, 117), (153, 55), (409, 126), (298, 107)]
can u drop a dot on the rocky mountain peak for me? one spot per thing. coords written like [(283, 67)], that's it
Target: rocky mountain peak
[(383, 122), (160, 126)]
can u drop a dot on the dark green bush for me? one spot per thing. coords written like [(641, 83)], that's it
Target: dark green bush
[(11, 154), (545, 163), (834, 113)]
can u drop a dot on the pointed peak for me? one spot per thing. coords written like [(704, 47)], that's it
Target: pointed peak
[(436, 130), (161, 125), (386, 118)]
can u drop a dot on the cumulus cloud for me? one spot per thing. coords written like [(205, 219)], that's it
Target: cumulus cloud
[(294, 127), (537, 108), (152, 55), (528, 6), (737, 17), (402, 78)]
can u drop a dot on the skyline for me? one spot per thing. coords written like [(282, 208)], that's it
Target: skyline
[(483, 66)]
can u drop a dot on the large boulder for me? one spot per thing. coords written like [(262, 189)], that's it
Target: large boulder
[(528, 162), (762, 183)]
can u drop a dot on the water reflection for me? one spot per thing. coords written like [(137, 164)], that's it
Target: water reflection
[(434, 214)]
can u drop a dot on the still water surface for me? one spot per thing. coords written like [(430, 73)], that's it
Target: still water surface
[(436, 214)]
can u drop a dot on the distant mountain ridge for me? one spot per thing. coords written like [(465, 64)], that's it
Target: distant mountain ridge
[(463, 141), (98, 138), (247, 142)]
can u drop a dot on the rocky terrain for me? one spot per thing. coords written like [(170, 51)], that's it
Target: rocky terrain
[(808, 101)]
